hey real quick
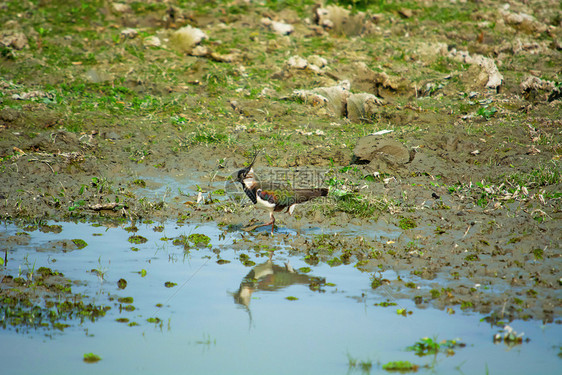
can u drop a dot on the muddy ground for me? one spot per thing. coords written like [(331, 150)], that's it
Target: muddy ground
[(102, 102)]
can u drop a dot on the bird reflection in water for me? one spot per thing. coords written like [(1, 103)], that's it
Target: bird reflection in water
[(269, 276)]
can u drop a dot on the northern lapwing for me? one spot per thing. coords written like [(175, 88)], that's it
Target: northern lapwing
[(273, 196)]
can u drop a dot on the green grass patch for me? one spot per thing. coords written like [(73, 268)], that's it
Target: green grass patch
[(406, 223)]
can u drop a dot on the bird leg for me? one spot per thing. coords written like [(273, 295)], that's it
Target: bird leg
[(272, 222)]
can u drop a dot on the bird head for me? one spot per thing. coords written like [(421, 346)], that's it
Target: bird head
[(246, 175)]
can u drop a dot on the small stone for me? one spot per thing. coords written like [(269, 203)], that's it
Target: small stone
[(297, 62), (152, 41), (317, 60), (129, 33), (122, 8), (279, 28)]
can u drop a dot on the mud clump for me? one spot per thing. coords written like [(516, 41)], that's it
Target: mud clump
[(382, 155)]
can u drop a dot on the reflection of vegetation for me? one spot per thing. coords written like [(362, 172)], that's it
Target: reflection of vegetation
[(23, 313), (355, 364), (207, 340), (377, 281)]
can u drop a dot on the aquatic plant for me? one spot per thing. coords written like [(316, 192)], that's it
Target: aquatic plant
[(80, 244), (137, 240), (430, 346), (199, 239), (425, 346), (91, 358), (122, 283), (401, 366)]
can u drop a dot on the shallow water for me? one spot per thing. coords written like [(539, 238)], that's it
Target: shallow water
[(207, 326)]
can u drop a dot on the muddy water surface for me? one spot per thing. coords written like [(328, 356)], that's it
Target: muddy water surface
[(238, 311)]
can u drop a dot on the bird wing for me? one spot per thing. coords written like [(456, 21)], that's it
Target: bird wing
[(284, 196)]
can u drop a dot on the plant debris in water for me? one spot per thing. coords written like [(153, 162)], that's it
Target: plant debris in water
[(45, 302), (509, 336)]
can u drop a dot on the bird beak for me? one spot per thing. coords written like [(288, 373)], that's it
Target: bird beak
[(248, 172)]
